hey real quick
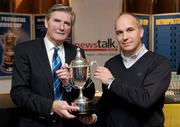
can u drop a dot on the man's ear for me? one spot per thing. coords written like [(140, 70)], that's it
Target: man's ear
[(46, 22), (141, 32)]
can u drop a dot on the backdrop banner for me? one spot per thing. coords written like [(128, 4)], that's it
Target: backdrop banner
[(15, 28), (94, 28), (166, 37)]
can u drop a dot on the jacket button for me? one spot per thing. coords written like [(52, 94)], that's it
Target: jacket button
[(54, 121)]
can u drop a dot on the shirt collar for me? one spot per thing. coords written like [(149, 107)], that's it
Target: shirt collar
[(142, 50), (49, 45)]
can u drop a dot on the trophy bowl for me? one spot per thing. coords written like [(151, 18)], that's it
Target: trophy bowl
[(80, 68), (9, 43)]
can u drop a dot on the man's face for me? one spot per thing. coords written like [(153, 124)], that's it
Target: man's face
[(128, 34), (58, 27)]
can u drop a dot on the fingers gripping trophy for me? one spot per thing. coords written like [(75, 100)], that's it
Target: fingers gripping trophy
[(80, 69)]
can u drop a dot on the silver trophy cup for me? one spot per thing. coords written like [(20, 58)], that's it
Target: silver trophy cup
[(8, 45), (80, 68)]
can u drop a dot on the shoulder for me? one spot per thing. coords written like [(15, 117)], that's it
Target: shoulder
[(29, 47), (69, 45), (114, 59), (71, 48), (30, 43), (156, 61), (156, 57)]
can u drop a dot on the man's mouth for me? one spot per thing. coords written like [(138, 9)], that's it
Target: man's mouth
[(60, 33)]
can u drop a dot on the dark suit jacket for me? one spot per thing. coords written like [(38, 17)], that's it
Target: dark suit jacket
[(32, 89)]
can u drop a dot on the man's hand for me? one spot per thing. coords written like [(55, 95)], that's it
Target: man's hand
[(102, 74), (63, 109), (88, 119), (64, 74)]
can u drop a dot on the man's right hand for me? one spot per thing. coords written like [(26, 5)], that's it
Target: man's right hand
[(63, 109)]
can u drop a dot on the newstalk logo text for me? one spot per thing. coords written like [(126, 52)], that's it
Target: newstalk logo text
[(105, 45)]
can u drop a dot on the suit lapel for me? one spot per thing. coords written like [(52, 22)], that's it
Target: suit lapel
[(69, 54), (45, 67)]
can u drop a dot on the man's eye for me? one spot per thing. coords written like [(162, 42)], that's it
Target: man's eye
[(56, 20), (118, 32), (130, 29), (67, 23)]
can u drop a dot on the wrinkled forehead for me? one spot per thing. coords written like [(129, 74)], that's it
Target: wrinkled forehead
[(61, 8), (60, 14)]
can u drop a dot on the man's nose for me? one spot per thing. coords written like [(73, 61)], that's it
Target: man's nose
[(125, 35), (61, 26)]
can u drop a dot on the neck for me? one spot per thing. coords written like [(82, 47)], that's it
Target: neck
[(133, 52), (54, 42)]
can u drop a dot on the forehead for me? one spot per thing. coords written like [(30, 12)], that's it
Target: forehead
[(125, 21), (61, 15)]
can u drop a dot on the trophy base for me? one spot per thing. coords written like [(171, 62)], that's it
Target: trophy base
[(86, 107)]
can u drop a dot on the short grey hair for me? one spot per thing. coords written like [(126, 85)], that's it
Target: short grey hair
[(61, 8)]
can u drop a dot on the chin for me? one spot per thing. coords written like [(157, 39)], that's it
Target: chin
[(60, 39), (127, 48)]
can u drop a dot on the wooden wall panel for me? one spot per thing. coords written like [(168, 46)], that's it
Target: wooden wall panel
[(5, 6), (134, 6), (138, 6), (23, 6), (164, 6), (42, 6), (35, 6), (151, 6)]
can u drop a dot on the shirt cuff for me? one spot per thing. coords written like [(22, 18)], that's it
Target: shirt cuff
[(109, 81), (68, 87)]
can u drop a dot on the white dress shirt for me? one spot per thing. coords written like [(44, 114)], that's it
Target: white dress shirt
[(50, 51), (129, 61)]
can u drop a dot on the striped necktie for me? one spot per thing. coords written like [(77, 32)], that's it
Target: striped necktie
[(56, 64)]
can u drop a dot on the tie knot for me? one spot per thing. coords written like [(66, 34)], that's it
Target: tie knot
[(56, 49)]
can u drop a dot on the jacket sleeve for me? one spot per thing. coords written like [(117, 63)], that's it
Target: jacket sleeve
[(21, 90)]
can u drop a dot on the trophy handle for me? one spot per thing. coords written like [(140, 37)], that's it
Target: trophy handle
[(89, 84), (93, 65)]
